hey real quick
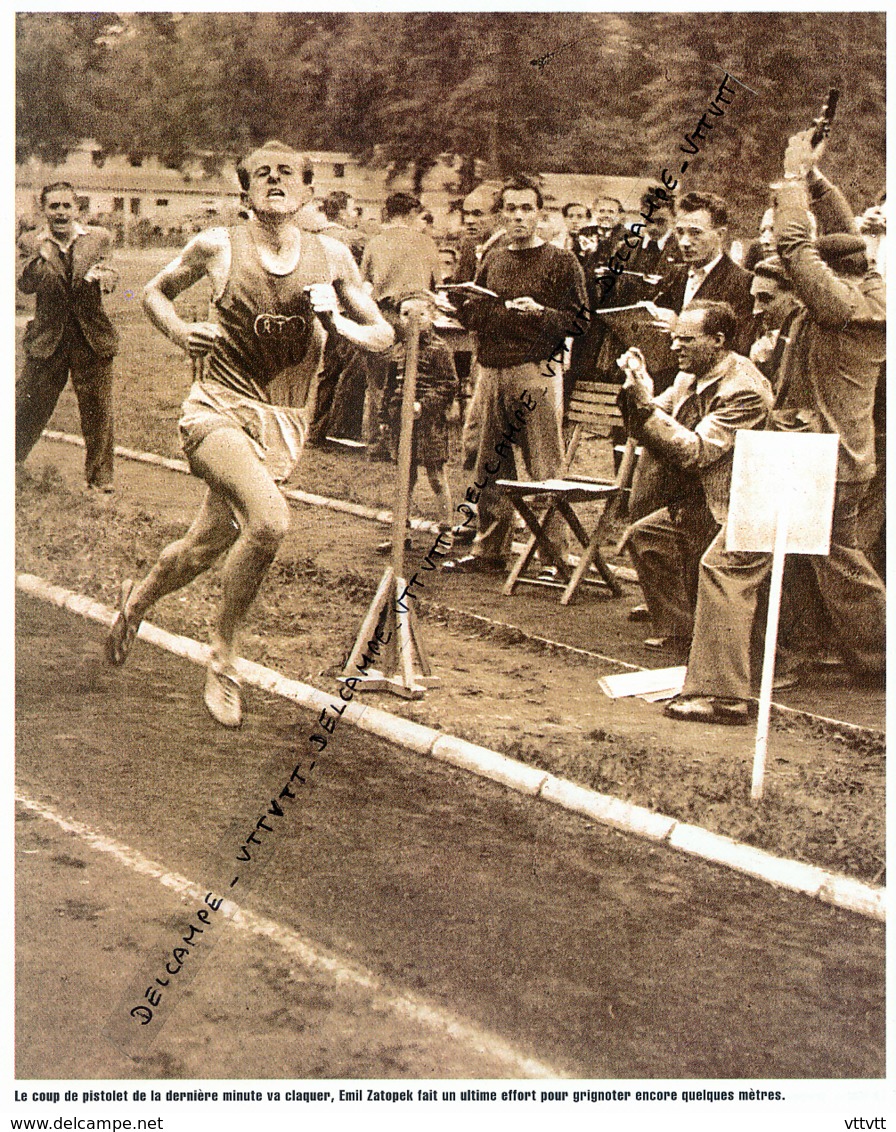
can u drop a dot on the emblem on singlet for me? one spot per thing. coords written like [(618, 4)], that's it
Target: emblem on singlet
[(279, 325)]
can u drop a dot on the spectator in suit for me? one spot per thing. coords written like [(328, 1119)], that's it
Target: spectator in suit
[(764, 246), (775, 306), (482, 228), (658, 252), (645, 267), (597, 242), (690, 428), (448, 260), (707, 272), (66, 266), (607, 223), (830, 369), (575, 216)]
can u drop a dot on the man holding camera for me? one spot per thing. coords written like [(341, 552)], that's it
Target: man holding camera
[(274, 287)]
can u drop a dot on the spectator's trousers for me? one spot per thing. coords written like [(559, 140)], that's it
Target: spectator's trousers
[(666, 554), (39, 387), (534, 433), (853, 595)]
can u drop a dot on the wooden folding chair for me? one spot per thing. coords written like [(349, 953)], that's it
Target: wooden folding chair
[(594, 405)]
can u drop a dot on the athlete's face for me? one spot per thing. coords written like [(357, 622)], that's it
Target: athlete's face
[(275, 183)]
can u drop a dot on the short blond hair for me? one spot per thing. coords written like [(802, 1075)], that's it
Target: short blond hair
[(274, 146)]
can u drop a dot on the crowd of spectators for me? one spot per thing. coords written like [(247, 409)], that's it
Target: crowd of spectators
[(784, 331)]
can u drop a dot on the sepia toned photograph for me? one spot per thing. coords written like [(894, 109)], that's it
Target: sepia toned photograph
[(450, 551)]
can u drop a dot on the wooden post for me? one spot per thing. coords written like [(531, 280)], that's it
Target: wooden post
[(405, 444), (404, 654)]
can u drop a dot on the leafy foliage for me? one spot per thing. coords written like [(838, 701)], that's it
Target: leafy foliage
[(587, 92)]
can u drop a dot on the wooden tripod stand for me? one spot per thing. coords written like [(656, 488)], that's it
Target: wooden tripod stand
[(389, 636)]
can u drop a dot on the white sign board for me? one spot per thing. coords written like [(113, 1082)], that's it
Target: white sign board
[(782, 473)]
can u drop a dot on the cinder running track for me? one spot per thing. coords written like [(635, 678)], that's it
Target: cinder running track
[(417, 922)]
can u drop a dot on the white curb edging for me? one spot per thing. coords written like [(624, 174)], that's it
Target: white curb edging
[(120, 450), (831, 888)]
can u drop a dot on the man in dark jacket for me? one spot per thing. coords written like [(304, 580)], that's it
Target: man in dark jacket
[(65, 265), (707, 272), (482, 229)]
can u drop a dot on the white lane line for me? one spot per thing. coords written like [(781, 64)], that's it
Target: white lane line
[(831, 888), (343, 971)]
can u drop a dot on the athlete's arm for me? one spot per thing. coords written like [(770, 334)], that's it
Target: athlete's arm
[(200, 257), (362, 324)]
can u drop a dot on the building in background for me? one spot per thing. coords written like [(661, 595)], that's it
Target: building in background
[(143, 201)]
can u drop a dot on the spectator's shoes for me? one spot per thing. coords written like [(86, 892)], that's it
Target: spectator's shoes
[(124, 629), (475, 564), (222, 695), (710, 709), (639, 613), (677, 647)]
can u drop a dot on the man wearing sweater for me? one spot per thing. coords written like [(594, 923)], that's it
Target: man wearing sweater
[(538, 290)]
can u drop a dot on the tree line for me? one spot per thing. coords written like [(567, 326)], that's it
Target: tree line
[(605, 93)]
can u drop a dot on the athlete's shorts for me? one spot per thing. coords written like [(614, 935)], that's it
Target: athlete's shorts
[(277, 433)]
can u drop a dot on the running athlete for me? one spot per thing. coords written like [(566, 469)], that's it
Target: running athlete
[(270, 280)]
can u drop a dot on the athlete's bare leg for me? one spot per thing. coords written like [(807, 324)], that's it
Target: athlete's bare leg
[(213, 531), (227, 462), (244, 512)]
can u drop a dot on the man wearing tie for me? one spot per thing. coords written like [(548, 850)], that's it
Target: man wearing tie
[(65, 264), (707, 272), (691, 429)]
